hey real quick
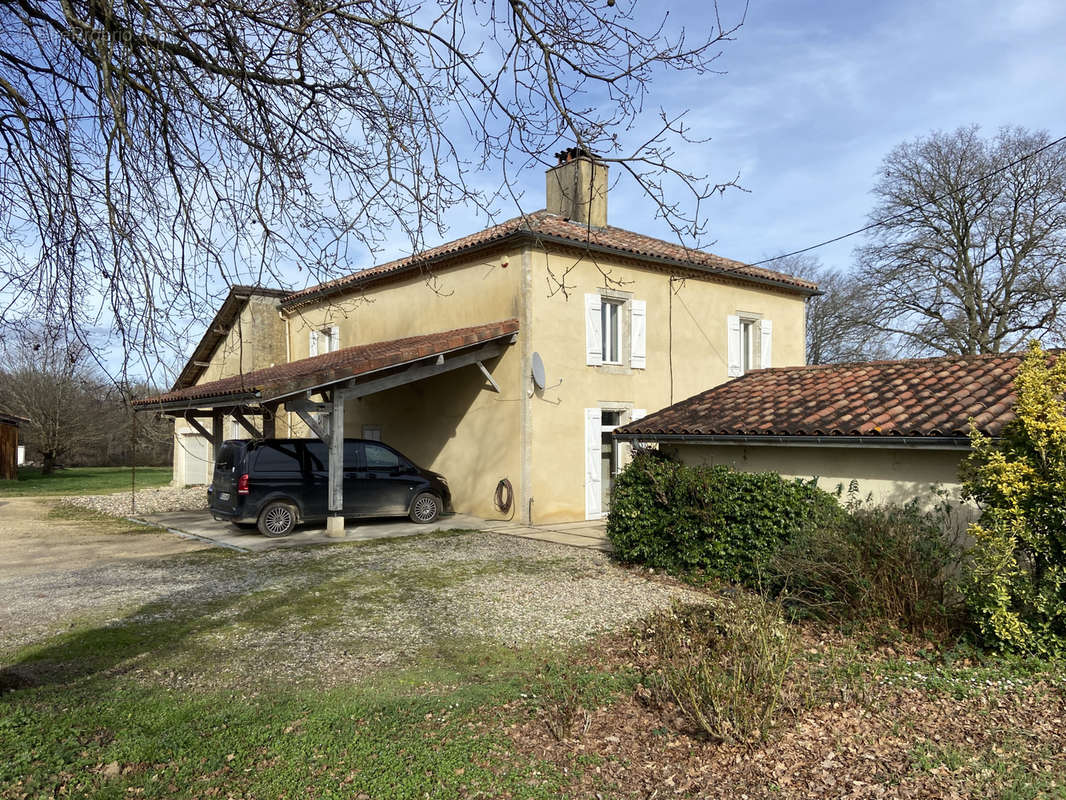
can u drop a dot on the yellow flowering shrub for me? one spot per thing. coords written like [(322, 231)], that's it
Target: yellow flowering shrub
[(1016, 588)]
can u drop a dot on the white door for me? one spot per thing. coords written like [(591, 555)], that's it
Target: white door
[(195, 457), (593, 465)]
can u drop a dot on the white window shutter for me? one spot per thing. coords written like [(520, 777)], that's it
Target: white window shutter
[(593, 464), (638, 334), (733, 367), (312, 345), (766, 328), (334, 338), (593, 332)]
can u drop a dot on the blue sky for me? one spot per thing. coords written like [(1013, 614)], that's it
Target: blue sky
[(817, 93)]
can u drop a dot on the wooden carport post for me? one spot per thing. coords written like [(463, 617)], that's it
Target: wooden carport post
[(270, 413), (216, 434), (335, 518)]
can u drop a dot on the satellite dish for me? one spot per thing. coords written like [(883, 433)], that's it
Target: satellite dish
[(538, 372)]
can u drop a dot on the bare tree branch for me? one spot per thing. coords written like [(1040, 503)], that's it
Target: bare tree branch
[(155, 151)]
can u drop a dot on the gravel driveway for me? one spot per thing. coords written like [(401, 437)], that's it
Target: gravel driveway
[(323, 613)]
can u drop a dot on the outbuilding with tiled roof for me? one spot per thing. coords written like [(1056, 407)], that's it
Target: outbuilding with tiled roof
[(892, 429)]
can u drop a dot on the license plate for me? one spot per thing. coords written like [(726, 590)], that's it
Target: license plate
[(223, 495)]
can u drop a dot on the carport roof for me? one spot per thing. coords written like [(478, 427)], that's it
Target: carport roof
[(285, 380)]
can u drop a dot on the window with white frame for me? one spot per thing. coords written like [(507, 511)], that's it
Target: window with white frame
[(749, 344), (324, 340), (615, 330), (747, 336), (610, 317)]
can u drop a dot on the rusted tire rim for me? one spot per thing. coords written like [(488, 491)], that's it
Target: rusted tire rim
[(278, 520), (425, 509)]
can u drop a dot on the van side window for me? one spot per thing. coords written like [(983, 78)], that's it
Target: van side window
[(281, 457), (352, 455), (378, 457)]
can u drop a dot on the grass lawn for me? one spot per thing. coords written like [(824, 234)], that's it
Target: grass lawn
[(82, 480)]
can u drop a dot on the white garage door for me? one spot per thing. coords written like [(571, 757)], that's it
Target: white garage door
[(195, 456)]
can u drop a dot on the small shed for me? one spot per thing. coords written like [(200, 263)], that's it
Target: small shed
[(9, 445)]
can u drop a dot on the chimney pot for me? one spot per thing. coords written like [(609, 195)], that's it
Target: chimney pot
[(576, 187)]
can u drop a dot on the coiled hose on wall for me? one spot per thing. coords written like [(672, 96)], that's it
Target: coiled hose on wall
[(504, 497)]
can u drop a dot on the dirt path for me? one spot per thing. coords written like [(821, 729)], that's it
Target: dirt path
[(31, 542), (55, 569)]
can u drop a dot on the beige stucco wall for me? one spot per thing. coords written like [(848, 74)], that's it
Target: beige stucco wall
[(894, 475), (686, 354), (453, 423), (256, 340), (482, 290)]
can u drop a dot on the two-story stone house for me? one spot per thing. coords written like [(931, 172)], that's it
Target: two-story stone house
[(440, 354)]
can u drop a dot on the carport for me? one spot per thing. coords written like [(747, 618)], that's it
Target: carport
[(317, 388)]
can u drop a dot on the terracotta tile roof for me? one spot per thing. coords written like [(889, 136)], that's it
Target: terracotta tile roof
[(337, 365), (930, 397), (551, 227)]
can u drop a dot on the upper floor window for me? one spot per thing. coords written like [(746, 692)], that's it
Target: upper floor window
[(610, 318), (324, 340), (747, 339), (749, 343), (615, 330)]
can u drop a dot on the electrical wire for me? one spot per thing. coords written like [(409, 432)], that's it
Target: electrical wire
[(894, 217)]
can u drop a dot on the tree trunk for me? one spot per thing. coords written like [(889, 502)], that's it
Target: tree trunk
[(49, 463)]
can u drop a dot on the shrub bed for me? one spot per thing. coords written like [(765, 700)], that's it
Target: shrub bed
[(890, 562), (710, 521), (722, 665)]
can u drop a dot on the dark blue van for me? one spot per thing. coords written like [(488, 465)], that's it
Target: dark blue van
[(275, 484)]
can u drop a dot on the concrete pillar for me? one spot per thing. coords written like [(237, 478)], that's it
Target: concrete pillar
[(335, 520)]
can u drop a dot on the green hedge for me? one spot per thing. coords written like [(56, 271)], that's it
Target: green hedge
[(714, 521)]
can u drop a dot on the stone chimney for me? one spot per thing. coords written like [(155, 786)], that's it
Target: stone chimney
[(577, 188)]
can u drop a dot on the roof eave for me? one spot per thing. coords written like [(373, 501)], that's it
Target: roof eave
[(908, 442), (675, 262), (521, 234), (195, 403), (361, 280)]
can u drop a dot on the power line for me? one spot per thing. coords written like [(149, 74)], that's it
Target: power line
[(894, 217)]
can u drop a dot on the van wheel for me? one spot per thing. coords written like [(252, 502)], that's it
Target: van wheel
[(425, 508), (277, 519)]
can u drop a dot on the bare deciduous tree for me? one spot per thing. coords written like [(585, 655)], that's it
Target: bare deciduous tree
[(51, 381), (838, 326), (971, 253), (76, 416), (153, 150)]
